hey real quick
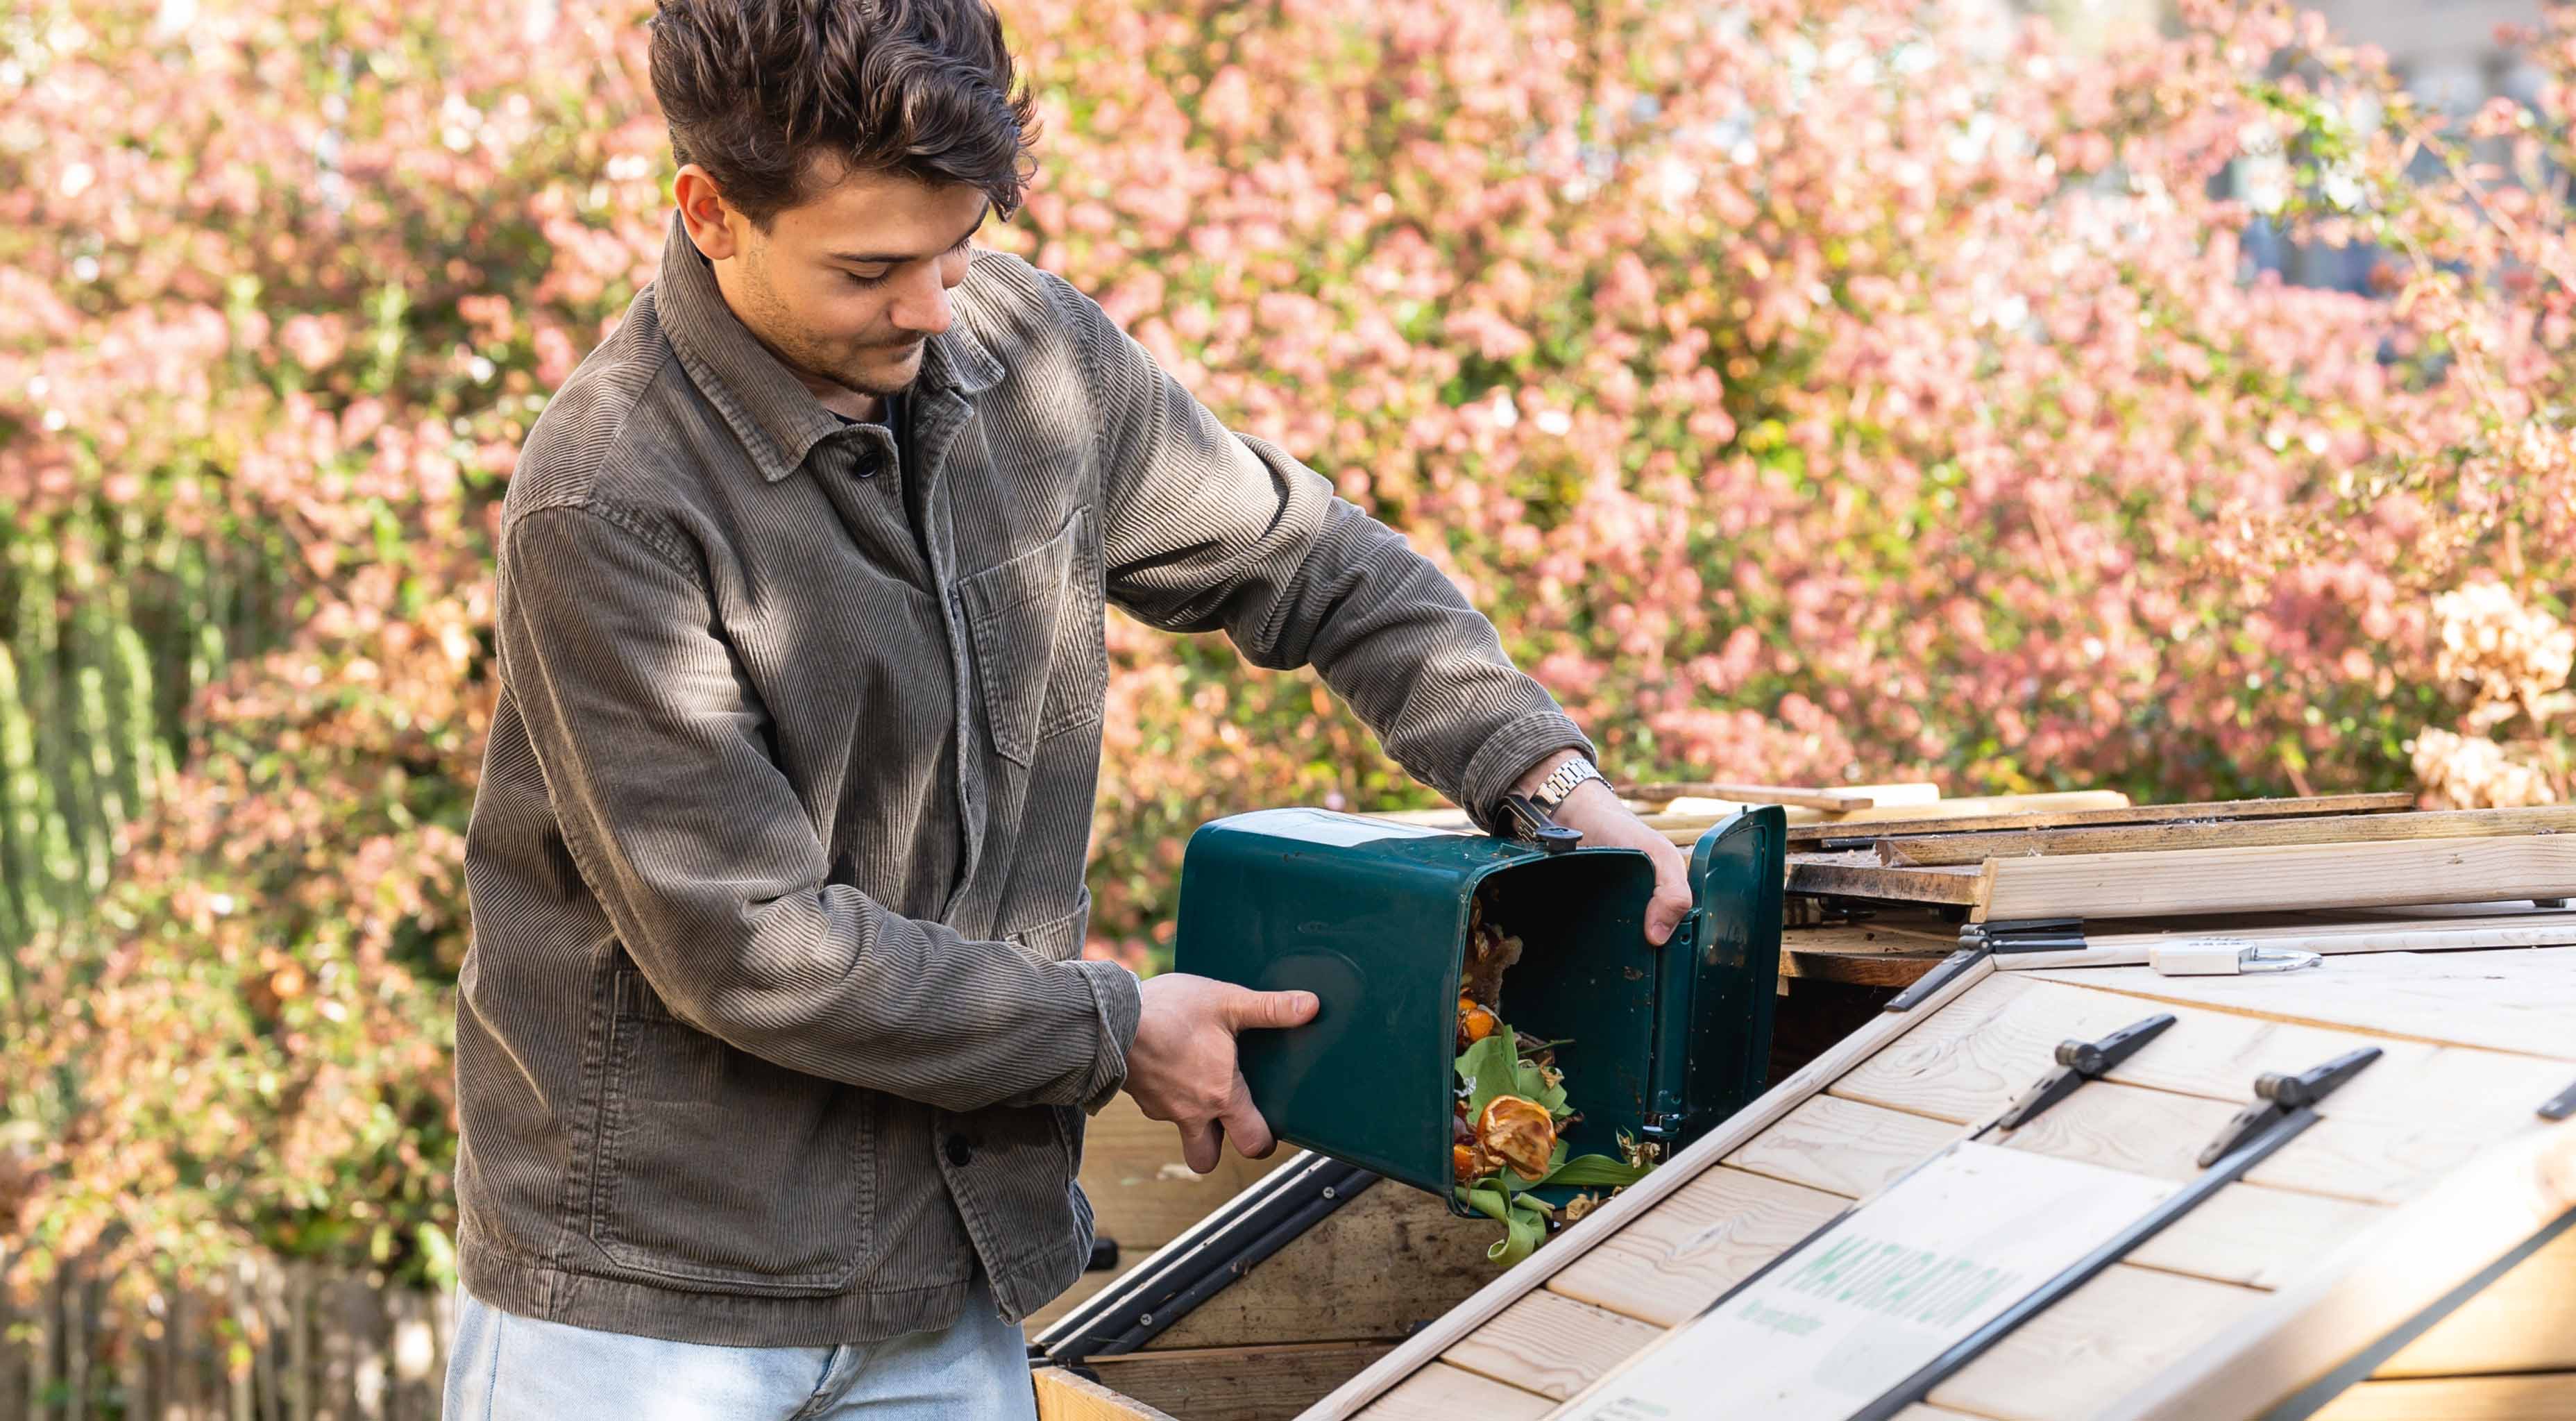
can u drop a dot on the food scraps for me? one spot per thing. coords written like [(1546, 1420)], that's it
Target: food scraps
[(1507, 1128)]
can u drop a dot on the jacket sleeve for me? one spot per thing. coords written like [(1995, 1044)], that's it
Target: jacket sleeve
[(653, 748), (1206, 530)]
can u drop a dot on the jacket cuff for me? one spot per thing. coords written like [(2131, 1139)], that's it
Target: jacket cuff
[(1114, 994), (1507, 754)]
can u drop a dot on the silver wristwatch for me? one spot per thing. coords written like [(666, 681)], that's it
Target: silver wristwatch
[(1561, 782)]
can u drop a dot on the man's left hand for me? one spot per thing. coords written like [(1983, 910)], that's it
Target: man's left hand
[(1604, 822)]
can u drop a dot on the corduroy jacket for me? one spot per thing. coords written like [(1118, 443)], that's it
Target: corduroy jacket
[(774, 1027)]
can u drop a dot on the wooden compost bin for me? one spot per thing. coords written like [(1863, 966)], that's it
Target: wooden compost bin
[(2408, 1256)]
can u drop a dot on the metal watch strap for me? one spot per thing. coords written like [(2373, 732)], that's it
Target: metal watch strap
[(1561, 782)]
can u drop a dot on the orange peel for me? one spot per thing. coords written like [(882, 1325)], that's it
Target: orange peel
[(1518, 1132)]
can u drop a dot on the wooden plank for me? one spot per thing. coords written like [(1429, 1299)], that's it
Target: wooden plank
[(1679, 798), (1686, 819), (1374, 1269), (1981, 1054), (1440, 1392), (2294, 876), (2253, 1236), (1857, 873), (1842, 1146), (1869, 954), (2160, 1134), (2149, 1132), (1633, 1202), (1860, 969), (1703, 1239), (2371, 1161), (2546, 1397), (2374, 1282), (1973, 1060), (2070, 801), (1832, 801), (2207, 1052), (2546, 928), (1550, 1344), (2258, 833), (2506, 999), (1062, 1396), (2039, 818), (1918, 932), (1235, 1383), (2096, 1344), (2525, 1321), (2413, 1116)]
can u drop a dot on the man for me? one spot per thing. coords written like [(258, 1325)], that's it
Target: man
[(774, 1045)]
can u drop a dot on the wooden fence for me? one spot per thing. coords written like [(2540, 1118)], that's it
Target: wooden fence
[(279, 1342)]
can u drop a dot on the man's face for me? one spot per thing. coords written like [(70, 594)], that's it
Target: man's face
[(846, 286)]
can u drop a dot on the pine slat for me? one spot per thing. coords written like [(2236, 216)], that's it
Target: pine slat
[(2045, 818), (2131, 885), (1551, 1344), (2450, 998), (2546, 1397), (1842, 1146), (1970, 848), (1668, 1265), (1440, 1392), (2095, 1344)]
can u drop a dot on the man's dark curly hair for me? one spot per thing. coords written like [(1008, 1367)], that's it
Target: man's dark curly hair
[(754, 90)]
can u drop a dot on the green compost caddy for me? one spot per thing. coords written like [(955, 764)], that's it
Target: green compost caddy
[(1372, 917)]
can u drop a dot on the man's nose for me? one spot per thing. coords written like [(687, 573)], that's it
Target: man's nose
[(923, 304)]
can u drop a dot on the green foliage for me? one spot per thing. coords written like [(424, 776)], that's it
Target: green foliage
[(1850, 390)]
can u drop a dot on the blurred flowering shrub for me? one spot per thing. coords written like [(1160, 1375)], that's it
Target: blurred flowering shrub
[(1812, 391)]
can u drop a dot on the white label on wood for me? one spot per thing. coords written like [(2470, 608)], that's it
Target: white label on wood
[(1862, 1307)]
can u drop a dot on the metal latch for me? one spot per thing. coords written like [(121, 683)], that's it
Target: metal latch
[(2081, 1061), (1977, 940), (2026, 935), (2561, 1105), (2225, 957), (2279, 1096), (1532, 823)]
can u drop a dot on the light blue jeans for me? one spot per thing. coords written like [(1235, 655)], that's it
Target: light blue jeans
[(510, 1368)]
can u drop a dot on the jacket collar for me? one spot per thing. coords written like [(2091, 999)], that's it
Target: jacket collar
[(777, 419)]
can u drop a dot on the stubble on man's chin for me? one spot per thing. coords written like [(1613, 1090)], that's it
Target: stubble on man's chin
[(800, 355), (877, 387)]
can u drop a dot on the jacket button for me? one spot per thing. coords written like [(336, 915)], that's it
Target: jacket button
[(959, 1152)]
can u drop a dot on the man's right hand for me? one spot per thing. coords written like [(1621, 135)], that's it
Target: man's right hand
[(1181, 1065)]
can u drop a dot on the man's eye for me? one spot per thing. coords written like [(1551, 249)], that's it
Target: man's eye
[(858, 280)]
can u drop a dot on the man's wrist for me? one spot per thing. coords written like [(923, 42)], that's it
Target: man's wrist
[(1537, 774)]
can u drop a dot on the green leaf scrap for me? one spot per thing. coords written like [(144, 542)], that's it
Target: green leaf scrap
[(1492, 1067)]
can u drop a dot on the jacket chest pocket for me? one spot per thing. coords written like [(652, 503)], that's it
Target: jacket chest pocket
[(1041, 662)]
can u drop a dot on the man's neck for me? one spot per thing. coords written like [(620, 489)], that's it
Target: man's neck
[(846, 402)]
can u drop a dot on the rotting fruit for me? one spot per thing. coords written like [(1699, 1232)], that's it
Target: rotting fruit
[(1518, 1132)]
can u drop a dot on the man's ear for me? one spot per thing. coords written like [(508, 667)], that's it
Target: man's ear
[(703, 210)]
